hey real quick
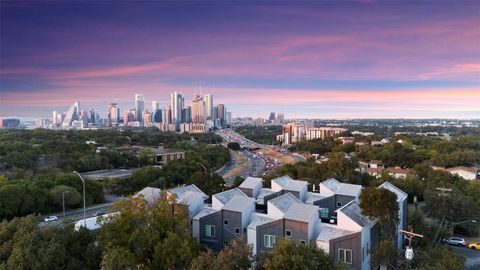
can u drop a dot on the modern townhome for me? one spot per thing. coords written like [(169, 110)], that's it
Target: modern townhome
[(402, 199), (329, 217)]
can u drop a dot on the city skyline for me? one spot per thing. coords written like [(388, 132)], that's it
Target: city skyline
[(308, 60)]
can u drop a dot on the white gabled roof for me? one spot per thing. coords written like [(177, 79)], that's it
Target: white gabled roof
[(284, 202), (149, 194), (189, 197), (259, 220), (239, 203), (179, 192), (227, 195), (349, 189), (251, 182), (328, 233), (331, 184), (301, 212), (401, 195), (263, 192), (282, 180), (313, 197), (205, 212), (353, 211)]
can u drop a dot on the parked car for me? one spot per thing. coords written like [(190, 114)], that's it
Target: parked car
[(51, 218), (474, 245), (456, 241)]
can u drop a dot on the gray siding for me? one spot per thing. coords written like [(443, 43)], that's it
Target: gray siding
[(215, 243), (343, 200), (234, 222), (352, 242), (328, 202), (299, 230), (294, 193), (273, 228), (271, 196)]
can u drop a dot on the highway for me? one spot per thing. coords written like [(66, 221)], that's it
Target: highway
[(250, 161), (77, 214)]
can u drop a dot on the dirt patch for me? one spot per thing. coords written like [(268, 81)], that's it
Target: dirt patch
[(283, 158)]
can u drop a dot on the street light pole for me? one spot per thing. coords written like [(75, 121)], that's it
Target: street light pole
[(63, 201), (204, 168), (84, 204)]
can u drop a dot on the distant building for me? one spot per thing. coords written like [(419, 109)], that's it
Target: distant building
[(139, 106), (113, 114), (467, 173)]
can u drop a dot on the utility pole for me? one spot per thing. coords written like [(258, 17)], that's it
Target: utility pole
[(409, 251)]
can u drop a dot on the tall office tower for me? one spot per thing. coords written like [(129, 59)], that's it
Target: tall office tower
[(271, 118), (157, 116), (208, 98), (166, 115), (155, 106), (113, 114), (221, 113), (198, 110), (228, 118), (139, 106), (176, 103), (55, 118), (72, 114), (280, 118), (187, 115)]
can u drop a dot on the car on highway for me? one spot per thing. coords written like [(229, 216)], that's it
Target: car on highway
[(50, 218), (456, 241), (474, 246)]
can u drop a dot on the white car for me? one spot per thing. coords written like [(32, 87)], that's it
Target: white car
[(456, 241), (51, 218)]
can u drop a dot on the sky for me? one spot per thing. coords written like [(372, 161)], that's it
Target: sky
[(362, 59)]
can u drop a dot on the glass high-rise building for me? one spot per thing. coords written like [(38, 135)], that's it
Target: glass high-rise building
[(176, 103), (139, 106), (209, 114)]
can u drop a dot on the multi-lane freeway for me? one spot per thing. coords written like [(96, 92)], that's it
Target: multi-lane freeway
[(249, 161)]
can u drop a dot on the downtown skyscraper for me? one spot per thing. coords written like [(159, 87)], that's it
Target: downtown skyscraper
[(139, 106), (209, 113), (177, 102)]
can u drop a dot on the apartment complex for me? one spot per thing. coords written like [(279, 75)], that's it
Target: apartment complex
[(329, 217), (293, 133)]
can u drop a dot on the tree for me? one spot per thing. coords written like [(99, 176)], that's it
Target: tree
[(146, 156), (381, 204), (385, 253), (72, 196), (289, 255), (234, 146), (210, 184), (24, 245), (234, 256), (147, 236), (441, 258)]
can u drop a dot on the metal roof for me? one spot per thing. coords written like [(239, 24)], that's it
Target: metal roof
[(328, 233), (331, 184), (313, 197), (401, 196), (188, 197), (251, 182), (284, 202), (205, 212), (227, 195), (349, 189), (259, 220), (149, 194), (239, 203), (180, 191), (287, 183), (352, 210), (282, 180), (301, 212)]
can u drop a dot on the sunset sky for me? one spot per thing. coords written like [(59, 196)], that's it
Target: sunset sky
[(363, 59)]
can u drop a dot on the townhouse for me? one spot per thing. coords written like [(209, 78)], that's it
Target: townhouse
[(328, 217)]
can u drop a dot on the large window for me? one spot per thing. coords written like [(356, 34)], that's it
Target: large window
[(210, 230), (345, 255), (288, 233), (269, 240), (323, 212)]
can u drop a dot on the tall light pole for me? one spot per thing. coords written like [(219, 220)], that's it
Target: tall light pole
[(63, 201), (84, 204)]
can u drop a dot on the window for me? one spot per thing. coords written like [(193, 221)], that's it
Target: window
[(303, 242), (345, 255), (237, 230), (225, 221), (323, 212), (269, 240), (210, 230), (339, 204), (225, 243), (288, 233)]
